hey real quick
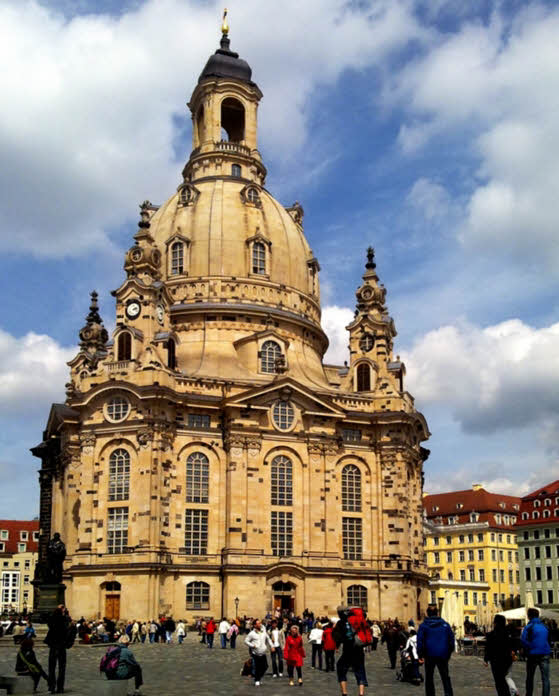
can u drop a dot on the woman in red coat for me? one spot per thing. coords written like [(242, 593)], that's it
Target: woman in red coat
[(329, 645), (294, 654)]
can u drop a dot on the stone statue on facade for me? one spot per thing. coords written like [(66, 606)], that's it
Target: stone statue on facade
[(56, 553)]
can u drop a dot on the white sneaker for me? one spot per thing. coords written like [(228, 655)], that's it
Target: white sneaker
[(256, 683), (281, 674), (274, 676)]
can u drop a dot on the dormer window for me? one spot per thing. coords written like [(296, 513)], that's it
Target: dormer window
[(502, 506), (459, 506), (525, 516), (259, 258), (535, 515), (547, 501), (547, 513), (435, 508), (177, 258), (253, 196), (270, 356), (498, 518), (474, 517)]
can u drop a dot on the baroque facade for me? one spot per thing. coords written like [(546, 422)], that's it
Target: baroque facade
[(206, 459)]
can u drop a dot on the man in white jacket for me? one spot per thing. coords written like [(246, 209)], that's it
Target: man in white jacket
[(258, 642), (223, 627)]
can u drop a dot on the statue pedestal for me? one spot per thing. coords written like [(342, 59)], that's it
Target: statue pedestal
[(47, 597)]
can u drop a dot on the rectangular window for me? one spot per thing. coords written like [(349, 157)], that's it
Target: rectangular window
[(536, 533), (547, 533), (449, 540), (536, 552), (461, 556), (510, 577), (449, 556), (10, 590), (484, 597), (470, 538), (517, 577), (351, 435), (493, 555), (352, 541), (466, 600), (480, 537), (21, 548), (472, 575), (27, 565), (462, 576), (528, 574), (435, 541), (548, 551), (549, 573), (119, 475), (26, 579), (481, 575), (480, 555), (509, 555), (550, 596), (35, 536), (495, 599), (195, 532), (526, 535), (282, 533), (538, 573), (2, 546), (475, 599), (539, 596), (502, 575), (470, 554), (494, 574), (433, 597), (501, 555), (117, 530), (436, 558), (199, 420), (500, 538), (461, 538), (526, 552), (4, 534), (508, 538), (24, 536)]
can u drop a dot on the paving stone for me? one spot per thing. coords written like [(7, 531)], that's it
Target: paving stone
[(191, 668)]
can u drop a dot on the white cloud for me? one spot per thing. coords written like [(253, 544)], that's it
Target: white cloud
[(86, 126), (498, 87), (429, 198), (334, 321), (495, 378), (33, 373)]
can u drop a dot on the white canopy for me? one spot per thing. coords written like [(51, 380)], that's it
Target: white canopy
[(520, 613)]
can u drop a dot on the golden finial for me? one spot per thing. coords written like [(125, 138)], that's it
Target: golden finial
[(225, 26)]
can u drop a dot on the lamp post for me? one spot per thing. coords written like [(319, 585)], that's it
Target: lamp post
[(236, 607)]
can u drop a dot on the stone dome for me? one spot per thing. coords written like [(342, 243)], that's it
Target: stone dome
[(226, 63), (218, 224)]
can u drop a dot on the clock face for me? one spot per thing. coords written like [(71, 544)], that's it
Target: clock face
[(367, 342), (160, 313), (133, 309)]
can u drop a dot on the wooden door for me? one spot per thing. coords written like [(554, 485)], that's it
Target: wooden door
[(112, 607)]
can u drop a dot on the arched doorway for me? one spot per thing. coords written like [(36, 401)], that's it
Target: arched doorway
[(283, 596), (111, 591)]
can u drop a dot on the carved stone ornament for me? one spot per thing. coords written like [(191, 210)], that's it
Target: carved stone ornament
[(87, 442), (144, 437)]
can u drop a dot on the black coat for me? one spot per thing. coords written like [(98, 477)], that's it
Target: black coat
[(498, 648)]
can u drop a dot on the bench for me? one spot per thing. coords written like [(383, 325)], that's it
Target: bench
[(16, 685), (110, 687)]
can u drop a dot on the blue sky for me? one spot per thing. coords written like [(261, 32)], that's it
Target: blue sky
[(427, 129)]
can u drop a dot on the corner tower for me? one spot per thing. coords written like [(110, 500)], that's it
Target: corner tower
[(205, 453)]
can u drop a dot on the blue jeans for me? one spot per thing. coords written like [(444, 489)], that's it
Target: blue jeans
[(152, 637), (541, 661), (223, 638), (210, 639), (181, 638), (168, 636)]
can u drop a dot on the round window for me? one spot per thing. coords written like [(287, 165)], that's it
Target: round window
[(283, 415), (367, 342), (117, 409)]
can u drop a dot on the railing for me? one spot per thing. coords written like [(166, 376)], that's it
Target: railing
[(227, 146), (119, 365)]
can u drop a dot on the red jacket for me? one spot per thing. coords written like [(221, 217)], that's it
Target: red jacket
[(210, 626), (294, 652), (327, 641)]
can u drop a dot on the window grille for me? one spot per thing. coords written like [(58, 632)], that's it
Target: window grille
[(282, 481), (197, 595), (363, 377), (119, 475), (196, 532), (367, 342), (253, 196), (259, 258), (351, 488), (197, 478), (269, 353), (351, 435), (282, 533), (357, 596), (177, 258), (283, 415), (198, 420), (117, 530), (236, 170), (117, 408), (352, 538)]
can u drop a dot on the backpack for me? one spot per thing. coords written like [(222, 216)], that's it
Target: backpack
[(109, 662), (361, 631)]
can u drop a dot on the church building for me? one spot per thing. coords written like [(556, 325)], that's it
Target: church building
[(206, 461)]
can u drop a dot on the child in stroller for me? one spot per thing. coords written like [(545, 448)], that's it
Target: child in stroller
[(409, 662)]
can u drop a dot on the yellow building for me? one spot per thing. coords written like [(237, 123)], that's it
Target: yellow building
[(206, 453), (471, 547), (18, 557)]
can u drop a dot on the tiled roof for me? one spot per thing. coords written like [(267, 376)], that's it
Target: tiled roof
[(14, 527), (534, 506), (460, 504)]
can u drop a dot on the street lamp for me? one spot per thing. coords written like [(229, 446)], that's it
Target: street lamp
[(236, 607)]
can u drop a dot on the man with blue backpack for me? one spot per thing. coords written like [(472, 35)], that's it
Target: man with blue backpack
[(120, 663), (535, 641), (352, 632), (435, 645)]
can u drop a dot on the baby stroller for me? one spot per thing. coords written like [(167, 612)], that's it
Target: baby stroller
[(409, 668)]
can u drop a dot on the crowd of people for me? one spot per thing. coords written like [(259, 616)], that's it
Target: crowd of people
[(286, 639)]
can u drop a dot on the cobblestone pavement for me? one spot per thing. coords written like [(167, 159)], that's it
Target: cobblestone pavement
[(193, 669)]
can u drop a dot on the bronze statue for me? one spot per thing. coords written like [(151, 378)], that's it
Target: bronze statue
[(56, 553)]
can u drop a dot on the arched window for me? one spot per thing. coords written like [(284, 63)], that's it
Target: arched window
[(525, 516), (177, 258), (124, 346), (197, 478), (351, 488), (535, 515), (537, 503), (236, 170), (546, 513), (253, 196), (547, 501), (171, 354), (363, 377), (119, 475), (269, 353), (200, 125), (282, 481), (259, 258), (450, 576), (283, 415), (197, 595), (357, 596), (233, 119)]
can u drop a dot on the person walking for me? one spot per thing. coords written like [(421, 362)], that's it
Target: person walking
[(57, 640), (232, 635), (376, 633), (169, 627), (152, 631), (135, 632), (294, 653), (181, 631), (353, 655), (277, 636), (210, 632), (499, 653), (315, 639), (223, 629), (329, 645), (435, 644), (536, 643), (258, 642), (394, 639)]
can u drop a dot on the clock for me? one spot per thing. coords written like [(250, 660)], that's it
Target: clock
[(366, 342), (160, 313), (133, 309)]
